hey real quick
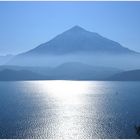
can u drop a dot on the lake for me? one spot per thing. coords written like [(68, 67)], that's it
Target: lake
[(69, 109)]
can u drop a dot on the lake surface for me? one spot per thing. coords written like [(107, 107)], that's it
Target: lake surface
[(69, 109)]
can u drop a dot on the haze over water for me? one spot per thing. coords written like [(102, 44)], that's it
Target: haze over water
[(69, 109)]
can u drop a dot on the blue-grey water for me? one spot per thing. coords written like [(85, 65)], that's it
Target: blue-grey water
[(69, 109)]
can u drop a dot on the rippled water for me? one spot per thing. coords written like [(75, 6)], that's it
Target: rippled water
[(69, 109)]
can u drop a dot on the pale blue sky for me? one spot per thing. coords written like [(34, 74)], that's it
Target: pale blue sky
[(25, 25)]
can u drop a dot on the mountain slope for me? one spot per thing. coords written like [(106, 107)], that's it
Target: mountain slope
[(81, 71), (132, 75), (66, 71), (13, 75), (79, 45), (78, 39)]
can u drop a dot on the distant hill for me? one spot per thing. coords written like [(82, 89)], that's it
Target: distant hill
[(132, 75), (13, 75), (66, 71), (35, 69), (80, 71)]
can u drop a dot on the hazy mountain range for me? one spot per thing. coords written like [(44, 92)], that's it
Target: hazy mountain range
[(132, 75), (18, 75), (66, 71), (76, 54)]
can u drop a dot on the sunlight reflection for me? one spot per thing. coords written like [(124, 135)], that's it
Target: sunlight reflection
[(69, 99), (68, 92), (68, 106)]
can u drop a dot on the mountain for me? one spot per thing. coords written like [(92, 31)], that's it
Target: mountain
[(66, 71), (13, 75), (81, 71), (132, 75), (39, 70), (78, 39), (79, 45)]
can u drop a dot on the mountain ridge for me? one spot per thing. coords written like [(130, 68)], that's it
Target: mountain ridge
[(77, 44), (20, 75), (131, 75), (65, 71), (78, 39)]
